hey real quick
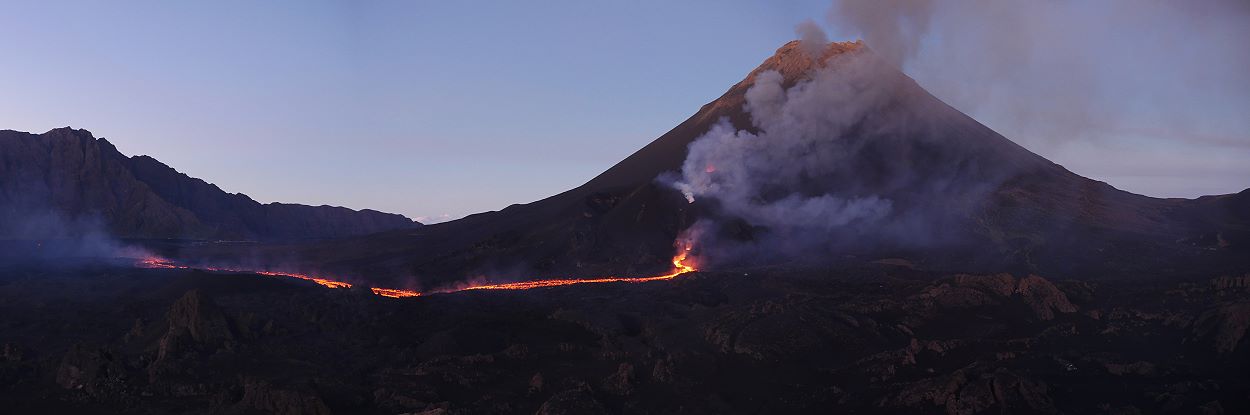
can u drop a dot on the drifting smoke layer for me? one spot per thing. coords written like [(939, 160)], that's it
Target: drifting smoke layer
[(852, 155), (1164, 84), (41, 234)]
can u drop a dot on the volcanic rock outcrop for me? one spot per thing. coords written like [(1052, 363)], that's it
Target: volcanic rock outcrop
[(66, 182)]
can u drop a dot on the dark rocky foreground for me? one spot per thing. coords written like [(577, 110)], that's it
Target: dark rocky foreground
[(869, 338)]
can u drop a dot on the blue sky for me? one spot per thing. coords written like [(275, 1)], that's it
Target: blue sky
[(441, 108)]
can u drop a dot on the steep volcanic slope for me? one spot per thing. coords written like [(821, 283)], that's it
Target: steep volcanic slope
[(998, 206), (66, 181)]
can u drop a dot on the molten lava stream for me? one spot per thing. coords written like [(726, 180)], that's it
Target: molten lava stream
[(680, 266), (325, 282), (395, 293)]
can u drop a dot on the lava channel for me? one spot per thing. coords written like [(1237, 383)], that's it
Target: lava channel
[(681, 265)]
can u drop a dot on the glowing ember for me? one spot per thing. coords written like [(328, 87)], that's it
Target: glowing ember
[(681, 265)]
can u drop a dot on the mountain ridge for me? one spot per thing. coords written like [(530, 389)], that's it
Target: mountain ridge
[(67, 176)]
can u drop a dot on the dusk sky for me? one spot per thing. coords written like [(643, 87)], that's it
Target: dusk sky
[(436, 110)]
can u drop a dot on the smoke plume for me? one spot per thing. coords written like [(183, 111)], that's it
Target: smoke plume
[(894, 28), (1071, 79), (795, 140), (853, 155), (811, 38)]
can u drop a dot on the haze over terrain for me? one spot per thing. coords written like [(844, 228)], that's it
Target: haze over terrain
[(365, 105)]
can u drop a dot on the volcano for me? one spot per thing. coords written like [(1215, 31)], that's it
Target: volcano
[(993, 205), (824, 237)]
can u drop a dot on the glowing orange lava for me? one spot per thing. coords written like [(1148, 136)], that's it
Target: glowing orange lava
[(328, 283), (681, 265), (167, 264), (158, 263), (394, 293)]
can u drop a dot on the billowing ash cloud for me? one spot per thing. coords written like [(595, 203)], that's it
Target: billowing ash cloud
[(857, 157), (848, 157), (799, 137)]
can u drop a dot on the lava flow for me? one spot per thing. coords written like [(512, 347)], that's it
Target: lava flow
[(325, 282), (681, 265)]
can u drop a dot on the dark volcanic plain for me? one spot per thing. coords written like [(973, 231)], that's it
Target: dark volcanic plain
[(1039, 291), (865, 338)]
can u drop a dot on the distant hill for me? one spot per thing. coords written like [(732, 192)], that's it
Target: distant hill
[(66, 182)]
